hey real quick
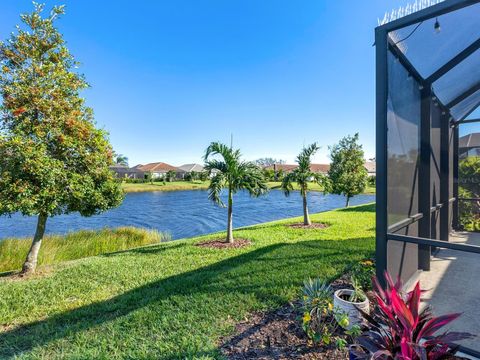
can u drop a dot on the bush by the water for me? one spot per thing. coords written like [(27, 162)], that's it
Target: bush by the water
[(77, 245)]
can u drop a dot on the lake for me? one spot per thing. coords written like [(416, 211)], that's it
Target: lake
[(182, 213)]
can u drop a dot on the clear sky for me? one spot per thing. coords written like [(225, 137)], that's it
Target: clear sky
[(169, 77)]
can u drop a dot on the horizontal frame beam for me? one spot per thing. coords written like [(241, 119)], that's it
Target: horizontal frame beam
[(428, 13), (437, 243), (404, 223), (466, 121)]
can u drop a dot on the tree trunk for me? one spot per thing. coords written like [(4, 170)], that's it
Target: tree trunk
[(348, 201), (31, 261), (306, 217), (229, 220)]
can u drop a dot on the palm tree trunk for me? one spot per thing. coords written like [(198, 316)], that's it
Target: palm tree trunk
[(31, 261), (306, 216), (348, 201), (229, 220)]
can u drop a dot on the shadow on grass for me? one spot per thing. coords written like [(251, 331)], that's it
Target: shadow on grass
[(361, 208), (261, 273)]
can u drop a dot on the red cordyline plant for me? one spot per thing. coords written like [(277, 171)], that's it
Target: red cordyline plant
[(398, 330)]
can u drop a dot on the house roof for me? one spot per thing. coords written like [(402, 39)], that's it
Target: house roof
[(371, 166), (469, 141), (191, 167), (158, 166), (320, 168), (283, 167)]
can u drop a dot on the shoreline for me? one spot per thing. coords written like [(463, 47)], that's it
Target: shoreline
[(203, 185)]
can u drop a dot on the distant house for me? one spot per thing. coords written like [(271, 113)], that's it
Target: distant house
[(281, 167), (469, 145), (371, 167), (160, 169), (188, 168), (124, 172), (317, 168)]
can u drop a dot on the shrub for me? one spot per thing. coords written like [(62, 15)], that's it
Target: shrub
[(372, 180), (397, 329), (320, 320), (363, 272)]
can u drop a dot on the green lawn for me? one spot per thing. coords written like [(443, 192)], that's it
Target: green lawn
[(169, 186), (173, 300), (201, 185)]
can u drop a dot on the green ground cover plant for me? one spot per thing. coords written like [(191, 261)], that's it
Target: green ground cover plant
[(174, 300), (77, 245)]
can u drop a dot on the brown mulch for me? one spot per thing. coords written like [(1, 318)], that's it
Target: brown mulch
[(277, 335), (221, 244), (312, 226)]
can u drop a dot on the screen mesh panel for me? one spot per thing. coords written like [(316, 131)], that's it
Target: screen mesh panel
[(428, 50), (403, 142)]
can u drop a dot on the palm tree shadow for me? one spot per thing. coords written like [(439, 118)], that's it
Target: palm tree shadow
[(206, 280), (361, 208)]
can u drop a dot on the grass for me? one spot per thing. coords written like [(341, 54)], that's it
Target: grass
[(76, 245), (202, 185), (316, 187), (173, 300), (169, 186)]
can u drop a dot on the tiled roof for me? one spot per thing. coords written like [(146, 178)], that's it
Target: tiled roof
[(158, 166), (320, 168), (191, 167)]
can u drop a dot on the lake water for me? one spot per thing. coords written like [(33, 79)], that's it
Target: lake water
[(182, 213)]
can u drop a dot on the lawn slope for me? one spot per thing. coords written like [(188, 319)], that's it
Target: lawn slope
[(173, 300)]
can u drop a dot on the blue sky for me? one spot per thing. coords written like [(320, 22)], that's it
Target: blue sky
[(168, 77)]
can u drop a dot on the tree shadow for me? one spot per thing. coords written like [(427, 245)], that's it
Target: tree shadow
[(242, 274), (360, 208)]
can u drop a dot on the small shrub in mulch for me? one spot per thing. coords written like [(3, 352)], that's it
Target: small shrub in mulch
[(221, 244), (312, 226), (278, 335)]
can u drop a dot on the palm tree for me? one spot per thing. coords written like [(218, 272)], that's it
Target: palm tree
[(302, 175), (121, 160), (232, 174)]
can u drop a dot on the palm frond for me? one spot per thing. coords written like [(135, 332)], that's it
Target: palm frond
[(217, 183), (252, 179), (304, 158), (287, 183), (214, 164)]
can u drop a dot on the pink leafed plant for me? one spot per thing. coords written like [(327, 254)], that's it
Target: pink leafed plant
[(399, 330)]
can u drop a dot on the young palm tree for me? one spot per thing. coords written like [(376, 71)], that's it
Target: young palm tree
[(121, 160), (302, 175), (232, 174)]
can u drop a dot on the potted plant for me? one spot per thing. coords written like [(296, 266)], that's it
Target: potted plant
[(398, 329), (352, 302)]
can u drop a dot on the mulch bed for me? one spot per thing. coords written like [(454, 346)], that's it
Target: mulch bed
[(277, 335), (221, 244), (312, 226)]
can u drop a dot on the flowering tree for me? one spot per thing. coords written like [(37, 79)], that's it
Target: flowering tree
[(52, 158)]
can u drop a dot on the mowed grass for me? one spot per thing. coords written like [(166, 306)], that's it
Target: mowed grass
[(202, 185), (76, 245), (169, 186), (173, 300), (276, 185)]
